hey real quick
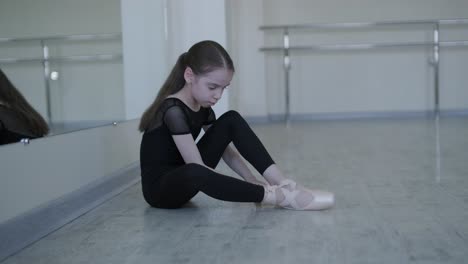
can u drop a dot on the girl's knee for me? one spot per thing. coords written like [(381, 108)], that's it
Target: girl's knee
[(231, 115)]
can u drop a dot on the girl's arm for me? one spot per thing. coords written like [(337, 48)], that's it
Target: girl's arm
[(188, 149), (234, 160)]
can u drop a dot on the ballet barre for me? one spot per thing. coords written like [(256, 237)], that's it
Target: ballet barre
[(436, 44)]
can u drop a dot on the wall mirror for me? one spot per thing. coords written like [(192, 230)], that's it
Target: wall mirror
[(65, 57)]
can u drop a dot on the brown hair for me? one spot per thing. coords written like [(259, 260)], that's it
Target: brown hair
[(202, 57), (15, 101)]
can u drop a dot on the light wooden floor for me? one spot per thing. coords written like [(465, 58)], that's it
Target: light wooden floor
[(394, 205)]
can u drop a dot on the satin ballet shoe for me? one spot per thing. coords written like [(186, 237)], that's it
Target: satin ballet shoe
[(311, 199)]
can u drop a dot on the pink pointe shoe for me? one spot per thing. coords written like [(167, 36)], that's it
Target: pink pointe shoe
[(300, 198)]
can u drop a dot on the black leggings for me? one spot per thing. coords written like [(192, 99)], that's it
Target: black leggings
[(178, 186)]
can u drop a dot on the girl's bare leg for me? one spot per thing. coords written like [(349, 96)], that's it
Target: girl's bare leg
[(273, 175)]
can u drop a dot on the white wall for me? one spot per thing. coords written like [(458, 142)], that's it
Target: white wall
[(50, 167), (344, 82), (145, 48), (248, 88), (316, 11), (194, 21)]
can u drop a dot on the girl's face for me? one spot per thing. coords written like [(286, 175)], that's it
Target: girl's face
[(208, 88)]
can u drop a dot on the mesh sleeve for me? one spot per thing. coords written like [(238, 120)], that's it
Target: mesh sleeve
[(211, 117), (176, 121)]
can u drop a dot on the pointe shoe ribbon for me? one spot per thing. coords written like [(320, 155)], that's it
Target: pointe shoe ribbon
[(289, 201), (289, 182), (319, 199)]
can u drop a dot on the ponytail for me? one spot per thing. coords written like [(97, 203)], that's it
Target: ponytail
[(174, 83), (16, 102)]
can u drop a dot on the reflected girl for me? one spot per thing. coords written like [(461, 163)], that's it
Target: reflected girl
[(18, 119)]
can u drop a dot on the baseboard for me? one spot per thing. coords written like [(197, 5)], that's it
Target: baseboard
[(25, 229), (272, 118), (455, 112), (257, 119)]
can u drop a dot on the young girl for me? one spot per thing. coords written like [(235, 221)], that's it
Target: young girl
[(174, 168)]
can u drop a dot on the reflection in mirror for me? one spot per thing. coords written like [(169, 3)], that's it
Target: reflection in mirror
[(66, 61), (18, 119)]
